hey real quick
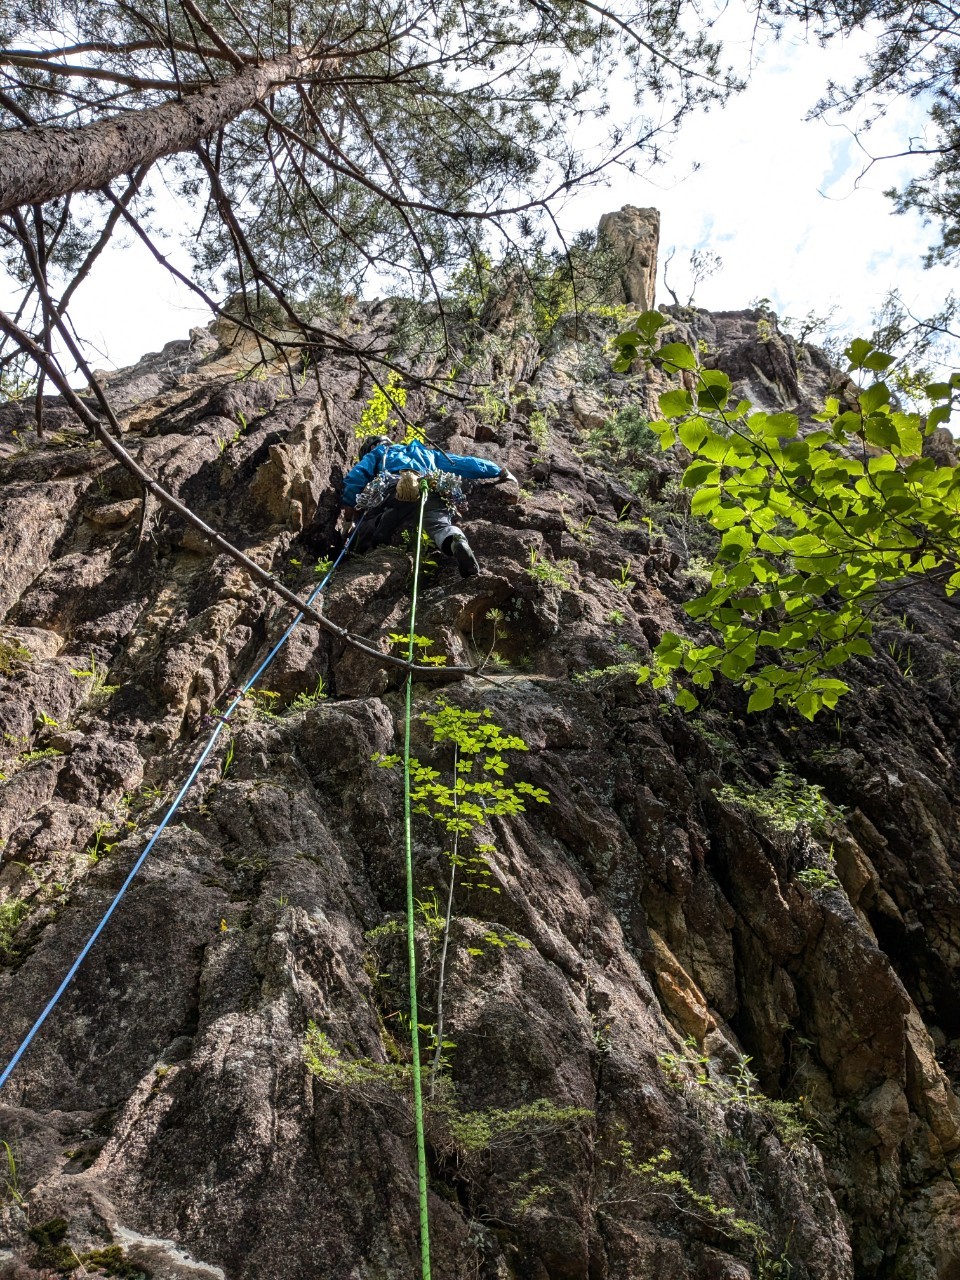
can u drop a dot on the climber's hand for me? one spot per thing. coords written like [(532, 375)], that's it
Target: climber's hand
[(507, 477)]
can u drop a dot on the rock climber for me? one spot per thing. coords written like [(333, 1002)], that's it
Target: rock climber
[(385, 484)]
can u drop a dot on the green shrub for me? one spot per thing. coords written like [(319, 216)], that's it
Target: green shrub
[(787, 803)]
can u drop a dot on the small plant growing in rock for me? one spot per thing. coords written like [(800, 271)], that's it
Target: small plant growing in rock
[(489, 407), (820, 879), (98, 691), (31, 757), (13, 912), (401, 640), (362, 1074), (787, 803), (540, 427), (13, 656), (463, 809), (550, 574), (11, 1176), (264, 701), (101, 842), (304, 701), (641, 1178), (625, 582)]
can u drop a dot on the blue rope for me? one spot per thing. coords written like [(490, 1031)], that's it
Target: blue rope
[(222, 724)]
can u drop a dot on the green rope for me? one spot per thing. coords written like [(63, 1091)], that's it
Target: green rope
[(411, 941)]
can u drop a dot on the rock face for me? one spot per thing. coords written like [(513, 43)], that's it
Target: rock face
[(634, 236), (706, 1025)]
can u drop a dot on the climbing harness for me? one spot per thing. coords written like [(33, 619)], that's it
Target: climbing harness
[(445, 484), (218, 730), (411, 937)]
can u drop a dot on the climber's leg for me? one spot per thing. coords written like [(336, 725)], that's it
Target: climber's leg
[(449, 537)]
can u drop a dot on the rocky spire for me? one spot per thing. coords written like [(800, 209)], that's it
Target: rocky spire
[(634, 235)]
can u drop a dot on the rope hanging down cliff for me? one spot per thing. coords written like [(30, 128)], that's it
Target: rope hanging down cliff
[(218, 730), (411, 938)]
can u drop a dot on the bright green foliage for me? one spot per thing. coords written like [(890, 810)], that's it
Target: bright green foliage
[(13, 911), (101, 845), (656, 1178), (784, 805), (550, 573), (305, 701), (815, 532), (10, 1176), (98, 691), (325, 1062), (478, 792), (378, 417), (475, 1131), (401, 640), (694, 1071), (818, 879), (12, 656), (469, 1133), (31, 757)]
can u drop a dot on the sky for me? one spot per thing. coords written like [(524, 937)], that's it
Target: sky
[(781, 200), (785, 202)]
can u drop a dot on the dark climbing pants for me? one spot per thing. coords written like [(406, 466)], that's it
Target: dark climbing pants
[(382, 523)]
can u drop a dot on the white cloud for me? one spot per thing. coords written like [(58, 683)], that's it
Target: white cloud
[(785, 201)]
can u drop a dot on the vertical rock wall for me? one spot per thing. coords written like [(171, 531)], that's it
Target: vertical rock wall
[(690, 1037)]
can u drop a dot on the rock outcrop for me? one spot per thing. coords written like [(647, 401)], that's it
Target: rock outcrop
[(634, 236), (706, 1025)]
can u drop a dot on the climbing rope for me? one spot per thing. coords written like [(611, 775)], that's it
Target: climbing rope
[(411, 939), (218, 730)]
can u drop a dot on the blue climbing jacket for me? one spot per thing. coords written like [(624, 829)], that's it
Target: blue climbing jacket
[(412, 457)]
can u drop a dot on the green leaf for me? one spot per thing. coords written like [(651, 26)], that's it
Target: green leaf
[(705, 500), (714, 388), (761, 699), (808, 704), (781, 424), (882, 432), (938, 414), (676, 403), (628, 339), (938, 391), (693, 432), (874, 397), (649, 323), (857, 352), (686, 700), (679, 355), (877, 361), (700, 473)]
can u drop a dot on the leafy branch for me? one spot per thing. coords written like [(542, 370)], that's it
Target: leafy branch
[(817, 531)]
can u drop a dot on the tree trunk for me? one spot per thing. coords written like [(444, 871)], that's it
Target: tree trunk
[(43, 163)]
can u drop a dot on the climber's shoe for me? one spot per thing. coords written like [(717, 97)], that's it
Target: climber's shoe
[(459, 548)]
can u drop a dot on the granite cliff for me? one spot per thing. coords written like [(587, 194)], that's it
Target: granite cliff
[(707, 1027)]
